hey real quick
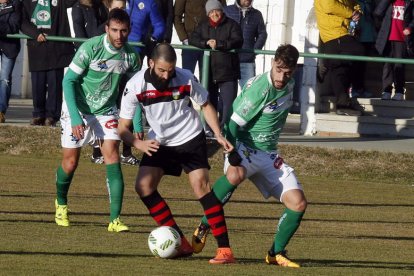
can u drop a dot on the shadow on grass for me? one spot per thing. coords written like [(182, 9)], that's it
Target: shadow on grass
[(240, 261)]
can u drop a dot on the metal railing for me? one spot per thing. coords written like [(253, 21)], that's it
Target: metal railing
[(206, 58)]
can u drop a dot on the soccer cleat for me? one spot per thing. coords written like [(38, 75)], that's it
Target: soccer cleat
[(223, 256), (97, 160), (61, 214), (129, 160), (281, 259), (117, 226), (200, 237), (185, 249)]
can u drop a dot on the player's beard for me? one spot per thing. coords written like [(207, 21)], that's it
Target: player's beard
[(159, 83)]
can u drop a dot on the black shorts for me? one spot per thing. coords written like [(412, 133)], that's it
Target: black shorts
[(189, 156)]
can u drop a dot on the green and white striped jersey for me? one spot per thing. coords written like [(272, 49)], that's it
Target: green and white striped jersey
[(100, 68), (261, 111)]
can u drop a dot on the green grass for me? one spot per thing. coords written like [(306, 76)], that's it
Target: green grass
[(359, 220)]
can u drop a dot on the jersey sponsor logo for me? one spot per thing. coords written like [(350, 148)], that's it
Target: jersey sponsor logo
[(278, 163), (111, 124), (109, 66), (171, 94), (102, 65), (279, 105)]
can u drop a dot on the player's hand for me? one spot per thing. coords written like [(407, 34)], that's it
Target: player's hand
[(78, 131), (146, 146), (407, 31), (228, 147), (234, 158)]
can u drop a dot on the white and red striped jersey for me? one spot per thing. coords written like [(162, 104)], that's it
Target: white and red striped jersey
[(172, 119)]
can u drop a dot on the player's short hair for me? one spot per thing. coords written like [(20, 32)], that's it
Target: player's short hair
[(164, 51), (118, 15), (288, 54)]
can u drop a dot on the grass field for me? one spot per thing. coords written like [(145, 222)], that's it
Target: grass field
[(359, 220)]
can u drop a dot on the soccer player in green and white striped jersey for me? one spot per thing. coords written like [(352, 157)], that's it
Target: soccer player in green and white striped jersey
[(89, 113), (258, 116)]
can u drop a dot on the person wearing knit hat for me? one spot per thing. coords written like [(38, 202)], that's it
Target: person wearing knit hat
[(222, 34), (213, 5)]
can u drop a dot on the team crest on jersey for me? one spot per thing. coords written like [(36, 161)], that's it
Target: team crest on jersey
[(175, 94), (102, 65), (141, 5), (271, 107)]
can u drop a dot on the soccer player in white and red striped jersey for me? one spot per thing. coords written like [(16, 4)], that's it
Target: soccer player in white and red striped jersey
[(164, 91)]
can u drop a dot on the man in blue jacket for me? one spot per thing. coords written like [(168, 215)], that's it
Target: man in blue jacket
[(144, 13), (254, 35)]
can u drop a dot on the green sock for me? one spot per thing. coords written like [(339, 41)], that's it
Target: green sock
[(63, 181), (288, 224), (223, 191), (115, 185)]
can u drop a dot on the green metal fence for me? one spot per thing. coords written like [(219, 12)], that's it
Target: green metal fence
[(206, 58)]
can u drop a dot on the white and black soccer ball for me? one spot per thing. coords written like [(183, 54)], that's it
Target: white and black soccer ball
[(164, 242)]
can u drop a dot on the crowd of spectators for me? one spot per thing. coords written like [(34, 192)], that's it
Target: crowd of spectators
[(349, 27)]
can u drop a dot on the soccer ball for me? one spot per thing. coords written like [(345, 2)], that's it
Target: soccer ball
[(164, 242)]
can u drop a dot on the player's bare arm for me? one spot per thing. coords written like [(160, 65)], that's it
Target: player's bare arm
[(210, 114), (146, 146)]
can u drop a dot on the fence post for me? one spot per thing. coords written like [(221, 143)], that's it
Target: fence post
[(205, 70), (308, 90)]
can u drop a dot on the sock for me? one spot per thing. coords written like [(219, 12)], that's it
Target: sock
[(63, 181), (213, 210), (223, 191), (160, 211), (115, 185), (126, 150), (96, 152), (286, 228)]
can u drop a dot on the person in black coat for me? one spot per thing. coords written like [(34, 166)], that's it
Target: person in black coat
[(89, 17), (223, 34), (47, 59), (10, 20)]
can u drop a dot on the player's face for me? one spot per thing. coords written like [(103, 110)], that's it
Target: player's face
[(162, 70), (280, 74), (117, 33)]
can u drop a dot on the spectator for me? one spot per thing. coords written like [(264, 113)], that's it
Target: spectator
[(10, 20), (254, 35), (144, 13), (89, 17), (366, 34), (112, 4), (166, 10), (188, 14), (394, 38), (47, 59), (333, 18), (223, 34)]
